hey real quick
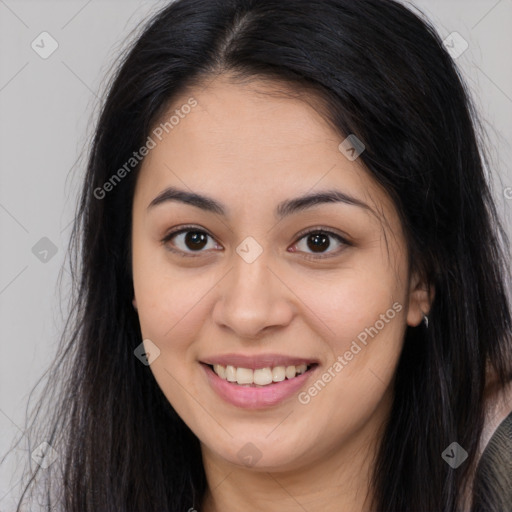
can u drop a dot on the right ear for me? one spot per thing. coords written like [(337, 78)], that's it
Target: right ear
[(420, 301)]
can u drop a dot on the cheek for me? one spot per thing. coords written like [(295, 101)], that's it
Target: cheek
[(171, 314), (355, 300), (167, 295), (170, 305), (170, 311), (364, 317)]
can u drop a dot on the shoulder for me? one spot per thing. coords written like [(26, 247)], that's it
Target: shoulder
[(492, 486), (498, 407)]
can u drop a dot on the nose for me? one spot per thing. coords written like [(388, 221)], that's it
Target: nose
[(253, 299)]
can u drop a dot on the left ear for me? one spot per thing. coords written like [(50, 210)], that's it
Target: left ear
[(134, 302), (419, 300)]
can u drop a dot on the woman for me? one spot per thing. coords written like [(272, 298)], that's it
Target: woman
[(291, 287)]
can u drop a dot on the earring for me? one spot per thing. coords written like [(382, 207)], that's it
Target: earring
[(425, 320)]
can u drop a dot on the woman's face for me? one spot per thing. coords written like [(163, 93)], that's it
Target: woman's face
[(242, 284)]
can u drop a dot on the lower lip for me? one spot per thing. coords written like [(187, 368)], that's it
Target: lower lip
[(256, 397)]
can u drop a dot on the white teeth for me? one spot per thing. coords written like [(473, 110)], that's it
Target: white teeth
[(260, 376), (230, 373), (278, 373), (244, 376), (301, 368), (219, 370), (290, 372)]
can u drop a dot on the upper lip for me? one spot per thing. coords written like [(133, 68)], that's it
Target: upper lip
[(254, 362)]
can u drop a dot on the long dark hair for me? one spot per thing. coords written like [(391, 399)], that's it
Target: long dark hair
[(381, 73)]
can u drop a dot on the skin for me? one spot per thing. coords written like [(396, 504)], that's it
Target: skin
[(250, 151)]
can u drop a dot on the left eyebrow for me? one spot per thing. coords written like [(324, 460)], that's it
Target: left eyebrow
[(308, 201), (283, 209)]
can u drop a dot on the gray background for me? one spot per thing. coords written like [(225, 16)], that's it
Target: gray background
[(47, 110)]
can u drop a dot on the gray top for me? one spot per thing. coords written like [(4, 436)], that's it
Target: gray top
[(492, 487)]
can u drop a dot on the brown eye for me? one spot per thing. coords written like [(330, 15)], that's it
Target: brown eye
[(187, 241), (319, 242), (195, 240)]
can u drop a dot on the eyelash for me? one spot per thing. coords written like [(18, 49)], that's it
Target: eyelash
[(309, 256)]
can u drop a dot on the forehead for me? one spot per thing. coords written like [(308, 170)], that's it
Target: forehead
[(250, 142)]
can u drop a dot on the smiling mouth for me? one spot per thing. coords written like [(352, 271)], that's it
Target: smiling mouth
[(260, 377)]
